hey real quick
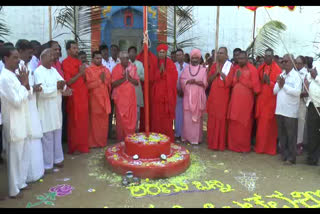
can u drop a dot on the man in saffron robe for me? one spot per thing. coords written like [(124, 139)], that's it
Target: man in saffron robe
[(240, 112), (77, 104), (193, 82), (220, 78), (163, 94), (98, 80), (152, 65), (267, 131), (124, 80)]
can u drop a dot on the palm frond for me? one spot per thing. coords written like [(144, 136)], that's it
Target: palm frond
[(267, 37), (78, 19), (184, 22), (4, 29)]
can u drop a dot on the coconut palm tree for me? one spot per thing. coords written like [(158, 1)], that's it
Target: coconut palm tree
[(182, 22), (267, 37), (69, 17), (4, 29)]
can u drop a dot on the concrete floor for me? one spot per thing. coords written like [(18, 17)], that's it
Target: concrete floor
[(90, 171)]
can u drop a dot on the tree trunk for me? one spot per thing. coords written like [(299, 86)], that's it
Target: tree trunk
[(174, 28)]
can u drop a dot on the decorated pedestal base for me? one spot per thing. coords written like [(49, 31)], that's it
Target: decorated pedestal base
[(142, 156)]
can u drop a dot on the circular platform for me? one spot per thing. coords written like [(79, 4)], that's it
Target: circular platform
[(149, 164)]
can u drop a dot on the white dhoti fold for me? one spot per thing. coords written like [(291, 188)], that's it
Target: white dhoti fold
[(52, 148), (36, 166), (301, 121), (18, 156)]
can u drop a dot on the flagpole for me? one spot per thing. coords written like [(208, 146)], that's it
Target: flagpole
[(146, 72), (50, 24), (254, 28), (217, 33)]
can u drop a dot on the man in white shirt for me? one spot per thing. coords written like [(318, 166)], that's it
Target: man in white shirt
[(35, 166), (313, 117), (36, 46), (14, 92), (288, 90), (300, 65), (105, 56), (114, 59), (50, 109), (140, 70), (178, 122)]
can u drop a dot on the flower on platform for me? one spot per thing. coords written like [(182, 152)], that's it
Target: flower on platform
[(62, 189), (116, 157)]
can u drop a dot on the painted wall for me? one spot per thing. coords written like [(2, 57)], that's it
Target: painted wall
[(235, 26), (113, 19), (32, 23)]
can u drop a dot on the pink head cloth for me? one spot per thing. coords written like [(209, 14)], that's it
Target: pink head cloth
[(195, 52)]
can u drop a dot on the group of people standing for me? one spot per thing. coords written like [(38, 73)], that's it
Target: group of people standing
[(39, 92), (274, 101)]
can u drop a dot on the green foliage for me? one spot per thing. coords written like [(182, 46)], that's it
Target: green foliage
[(267, 37), (4, 29), (183, 21), (78, 20)]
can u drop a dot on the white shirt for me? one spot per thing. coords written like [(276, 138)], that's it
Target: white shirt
[(303, 73), (314, 90), (110, 64), (1, 66), (288, 97), (48, 99), (33, 64), (179, 69), (14, 107), (33, 110)]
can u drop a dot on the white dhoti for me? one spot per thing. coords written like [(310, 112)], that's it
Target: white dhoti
[(52, 148), (301, 121), (36, 166), (18, 156)]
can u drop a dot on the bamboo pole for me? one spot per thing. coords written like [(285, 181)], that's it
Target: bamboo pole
[(174, 28), (50, 23), (146, 72), (217, 33), (254, 29)]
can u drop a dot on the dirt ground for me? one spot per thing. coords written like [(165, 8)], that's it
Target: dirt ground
[(95, 185)]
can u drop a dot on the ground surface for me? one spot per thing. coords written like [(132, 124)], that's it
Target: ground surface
[(248, 175)]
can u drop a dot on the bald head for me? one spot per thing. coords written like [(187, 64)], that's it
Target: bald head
[(124, 58), (47, 57), (288, 62)]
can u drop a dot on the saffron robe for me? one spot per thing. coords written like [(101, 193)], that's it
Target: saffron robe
[(267, 129), (164, 98), (99, 105), (77, 108), (217, 108), (152, 63), (240, 112), (194, 102), (125, 101)]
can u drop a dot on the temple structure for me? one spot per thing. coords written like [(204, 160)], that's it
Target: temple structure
[(123, 26)]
